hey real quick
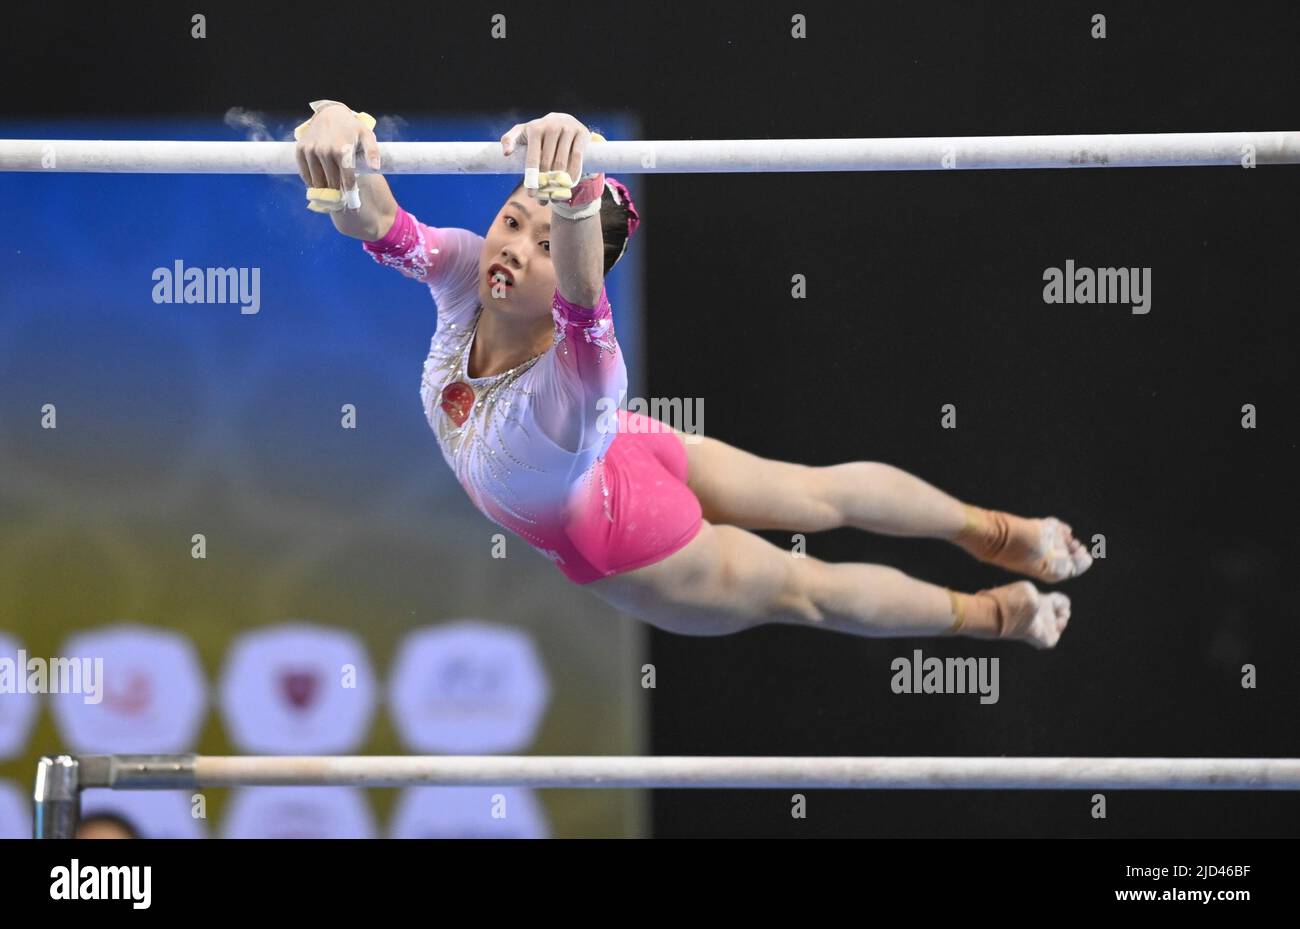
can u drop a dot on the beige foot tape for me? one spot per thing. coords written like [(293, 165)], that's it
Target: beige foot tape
[(1024, 546)]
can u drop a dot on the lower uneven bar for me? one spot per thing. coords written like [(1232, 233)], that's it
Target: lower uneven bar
[(682, 156), (883, 773)]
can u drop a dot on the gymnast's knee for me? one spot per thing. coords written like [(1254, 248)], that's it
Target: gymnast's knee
[(819, 489), (795, 602)]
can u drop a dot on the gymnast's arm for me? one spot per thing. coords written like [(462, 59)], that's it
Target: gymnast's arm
[(578, 253), (556, 142), (582, 379), (326, 151), (378, 210)]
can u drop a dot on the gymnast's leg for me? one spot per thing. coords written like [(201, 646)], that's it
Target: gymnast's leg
[(727, 580), (742, 489)]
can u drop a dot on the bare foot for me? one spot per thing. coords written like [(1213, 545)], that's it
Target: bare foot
[(1025, 614), (1044, 549)]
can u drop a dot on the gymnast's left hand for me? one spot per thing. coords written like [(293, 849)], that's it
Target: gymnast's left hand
[(555, 142)]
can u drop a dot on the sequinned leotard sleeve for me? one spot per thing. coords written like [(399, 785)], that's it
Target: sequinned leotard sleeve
[(581, 381), (444, 258)]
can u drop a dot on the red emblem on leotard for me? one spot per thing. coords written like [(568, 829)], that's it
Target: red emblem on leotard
[(457, 398)]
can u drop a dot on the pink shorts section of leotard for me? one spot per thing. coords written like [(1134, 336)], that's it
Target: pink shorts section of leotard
[(654, 513)]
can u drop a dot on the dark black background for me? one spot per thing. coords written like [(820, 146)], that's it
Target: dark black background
[(924, 289)]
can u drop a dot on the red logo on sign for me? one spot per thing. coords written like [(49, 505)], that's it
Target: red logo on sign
[(299, 688)]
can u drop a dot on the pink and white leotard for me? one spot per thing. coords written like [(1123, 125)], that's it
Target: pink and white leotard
[(533, 446)]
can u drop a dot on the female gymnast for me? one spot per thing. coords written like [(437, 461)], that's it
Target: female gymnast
[(521, 376)]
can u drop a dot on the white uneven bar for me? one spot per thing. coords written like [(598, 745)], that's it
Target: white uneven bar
[(885, 773), (1178, 149)]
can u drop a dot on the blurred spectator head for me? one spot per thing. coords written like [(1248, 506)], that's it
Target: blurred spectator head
[(106, 826)]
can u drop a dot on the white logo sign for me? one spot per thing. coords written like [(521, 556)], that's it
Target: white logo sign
[(17, 710), (298, 689), (468, 688), (15, 814), (154, 693), (469, 813), (299, 813)]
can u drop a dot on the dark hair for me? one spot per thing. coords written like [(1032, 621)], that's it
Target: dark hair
[(613, 225)]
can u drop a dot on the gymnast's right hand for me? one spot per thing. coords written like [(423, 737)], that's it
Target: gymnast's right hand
[(327, 147)]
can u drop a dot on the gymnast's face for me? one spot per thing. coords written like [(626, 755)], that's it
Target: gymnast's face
[(515, 270)]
